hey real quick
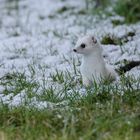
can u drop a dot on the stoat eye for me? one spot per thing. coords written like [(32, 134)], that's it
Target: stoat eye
[(83, 45)]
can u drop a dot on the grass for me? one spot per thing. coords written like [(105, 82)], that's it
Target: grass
[(129, 9), (97, 4), (107, 112)]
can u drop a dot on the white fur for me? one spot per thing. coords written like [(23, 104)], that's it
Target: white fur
[(93, 67)]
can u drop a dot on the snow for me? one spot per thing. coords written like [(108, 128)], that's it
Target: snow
[(18, 99), (37, 35)]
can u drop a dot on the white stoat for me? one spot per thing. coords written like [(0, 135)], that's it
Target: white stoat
[(93, 67)]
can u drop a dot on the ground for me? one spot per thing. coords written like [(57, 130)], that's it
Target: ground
[(39, 73)]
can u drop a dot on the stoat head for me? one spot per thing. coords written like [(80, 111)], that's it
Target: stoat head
[(86, 45)]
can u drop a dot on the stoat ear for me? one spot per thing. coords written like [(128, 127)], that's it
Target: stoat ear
[(94, 39)]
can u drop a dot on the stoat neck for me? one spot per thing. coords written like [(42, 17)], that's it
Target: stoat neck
[(94, 58)]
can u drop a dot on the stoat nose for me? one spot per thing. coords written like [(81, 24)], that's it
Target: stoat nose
[(74, 50)]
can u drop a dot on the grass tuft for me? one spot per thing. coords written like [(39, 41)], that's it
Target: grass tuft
[(111, 39), (16, 82)]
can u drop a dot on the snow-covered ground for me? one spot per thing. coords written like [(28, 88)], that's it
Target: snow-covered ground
[(42, 33)]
